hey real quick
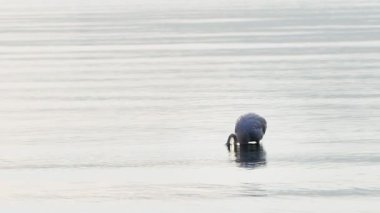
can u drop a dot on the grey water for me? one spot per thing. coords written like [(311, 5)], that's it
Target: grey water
[(126, 105)]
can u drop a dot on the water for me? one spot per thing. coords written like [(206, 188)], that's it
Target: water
[(123, 105)]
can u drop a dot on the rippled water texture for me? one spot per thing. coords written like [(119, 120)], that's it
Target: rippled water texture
[(122, 105)]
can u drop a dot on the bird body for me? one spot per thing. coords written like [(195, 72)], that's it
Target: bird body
[(249, 127)]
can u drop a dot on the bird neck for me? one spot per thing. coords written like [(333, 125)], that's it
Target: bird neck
[(230, 137)]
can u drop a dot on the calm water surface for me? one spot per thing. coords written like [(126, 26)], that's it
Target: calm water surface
[(123, 105)]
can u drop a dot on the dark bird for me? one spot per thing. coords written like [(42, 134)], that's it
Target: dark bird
[(249, 127)]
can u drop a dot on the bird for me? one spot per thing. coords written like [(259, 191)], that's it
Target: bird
[(249, 127)]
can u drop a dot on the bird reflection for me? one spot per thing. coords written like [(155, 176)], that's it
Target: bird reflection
[(249, 155)]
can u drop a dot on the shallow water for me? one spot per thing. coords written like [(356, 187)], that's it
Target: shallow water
[(127, 105)]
